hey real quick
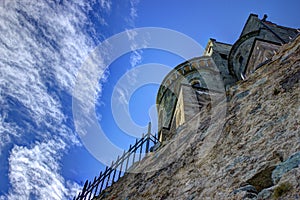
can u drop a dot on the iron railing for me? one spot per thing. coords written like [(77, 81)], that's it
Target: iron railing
[(118, 168)]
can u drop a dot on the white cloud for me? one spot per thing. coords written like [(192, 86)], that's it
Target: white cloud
[(136, 56), (42, 46), (131, 77), (7, 130), (133, 9), (131, 34), (106, 4), (123, 96), (34, 172)]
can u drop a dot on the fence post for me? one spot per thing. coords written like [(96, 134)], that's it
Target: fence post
[(88, 192), (104, 174), (84, 188), (134, 151), (141, 149), (148, 137), (122, 161), (95, 194), (115, 170), (110, 171), (127, 161)]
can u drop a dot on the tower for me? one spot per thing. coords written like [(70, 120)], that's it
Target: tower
[(190, 86)]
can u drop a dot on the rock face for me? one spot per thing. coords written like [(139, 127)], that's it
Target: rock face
[(253, 152)]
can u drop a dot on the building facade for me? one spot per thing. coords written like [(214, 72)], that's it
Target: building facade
[(192, 85)]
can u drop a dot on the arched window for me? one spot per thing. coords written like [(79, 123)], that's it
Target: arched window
[(241, 59), (195, 84)]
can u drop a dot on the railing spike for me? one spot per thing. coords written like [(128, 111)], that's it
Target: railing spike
[(85, 186), (102, 183), (96, 189), (112, 163), (129, 150), (108, 179), (121, 166), (149, 128), (114, 175), (141, 151), (117, 162)]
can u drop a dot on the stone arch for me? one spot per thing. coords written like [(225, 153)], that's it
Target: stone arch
[(239, 54), (195, 83)]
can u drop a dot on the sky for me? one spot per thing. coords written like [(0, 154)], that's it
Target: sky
[(46, 46)]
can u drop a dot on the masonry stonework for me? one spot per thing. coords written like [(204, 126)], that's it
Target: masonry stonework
[(253, 152)]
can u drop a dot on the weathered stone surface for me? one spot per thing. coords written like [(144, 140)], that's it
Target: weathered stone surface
[(261, 131), (247, 191), (284, 167), (265, 193), (291, 178)]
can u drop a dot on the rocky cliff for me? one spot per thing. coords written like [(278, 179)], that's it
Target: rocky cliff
[(244, 147)]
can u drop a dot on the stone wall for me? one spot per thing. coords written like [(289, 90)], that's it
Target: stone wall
[(249, 150)]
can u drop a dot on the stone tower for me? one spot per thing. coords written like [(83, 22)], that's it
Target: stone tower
[(191, 85), (256, 45)]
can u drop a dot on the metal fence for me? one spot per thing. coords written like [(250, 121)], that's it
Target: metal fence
[(118, 168)]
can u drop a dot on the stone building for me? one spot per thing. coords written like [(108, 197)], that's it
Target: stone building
[(252, 151), (257, 44), (203, 80)]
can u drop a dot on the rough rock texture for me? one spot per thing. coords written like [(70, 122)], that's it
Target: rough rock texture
[(252, 152)]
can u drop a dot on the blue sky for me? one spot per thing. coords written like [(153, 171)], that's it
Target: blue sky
[(43, 46)]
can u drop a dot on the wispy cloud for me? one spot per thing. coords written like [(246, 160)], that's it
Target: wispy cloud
[(133, 12), (136, 56), (106, 5), (133, 9), (42, 46), (34, 172), (123, 97)]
